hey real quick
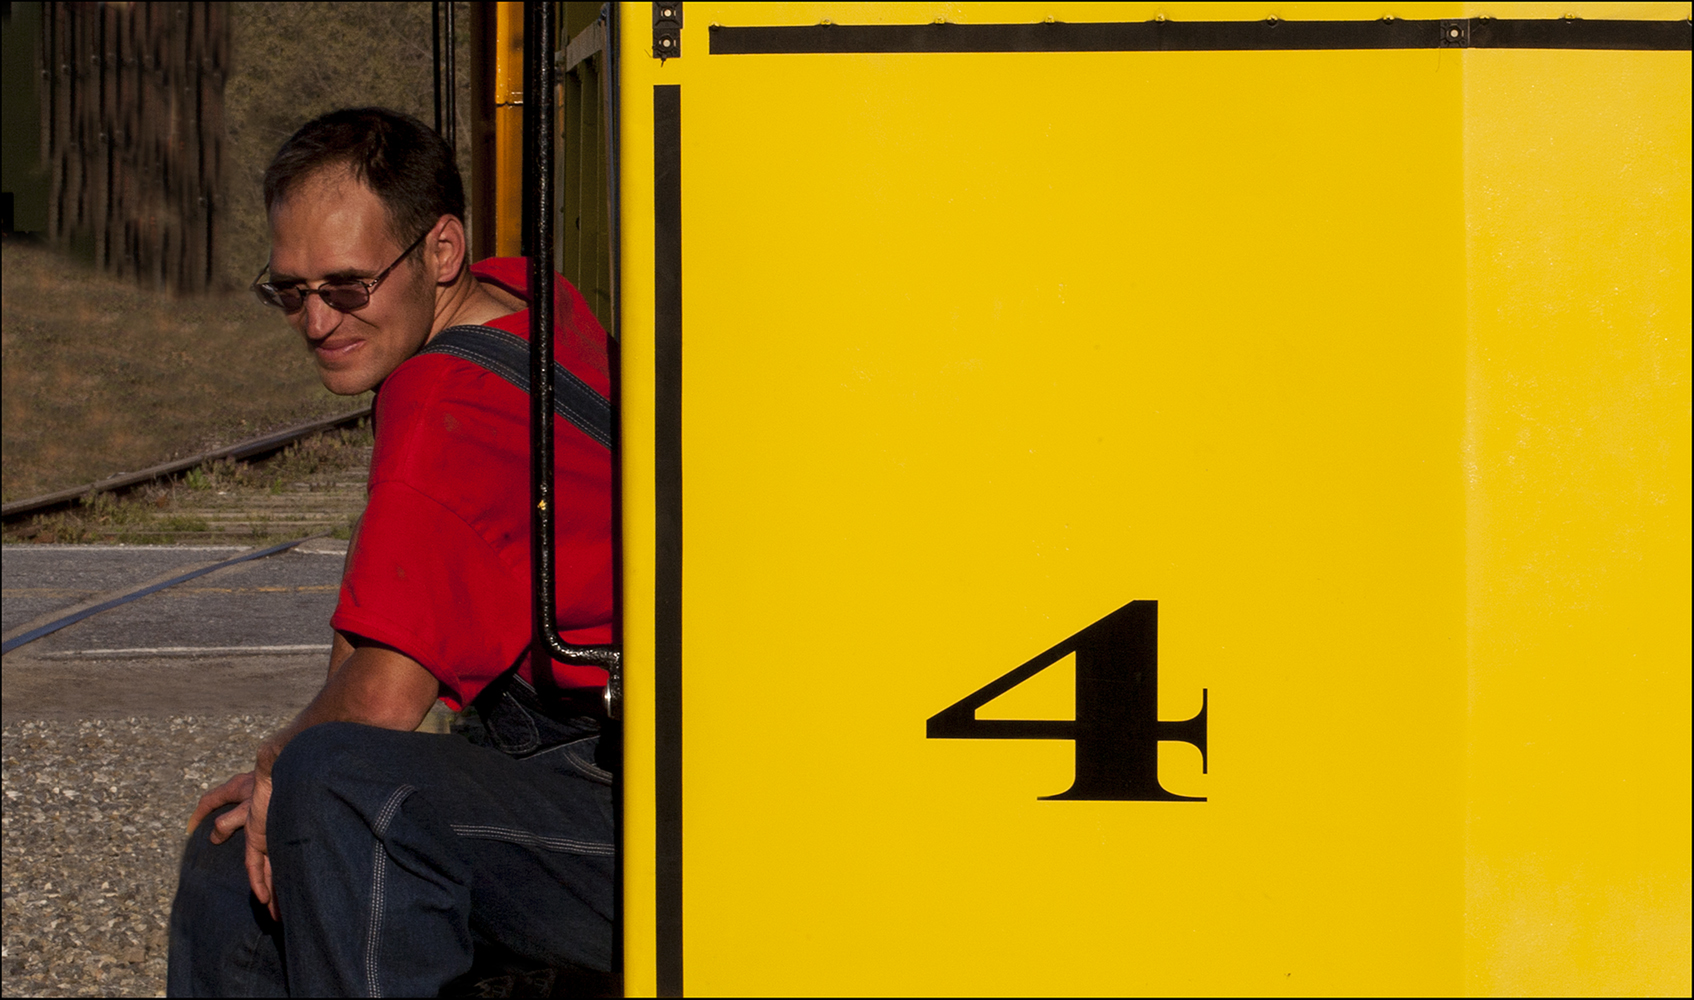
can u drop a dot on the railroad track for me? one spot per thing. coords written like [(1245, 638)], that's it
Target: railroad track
[(304, 480), (244, 514)]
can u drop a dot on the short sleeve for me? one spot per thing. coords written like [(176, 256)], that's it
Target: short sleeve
[(420, 579)]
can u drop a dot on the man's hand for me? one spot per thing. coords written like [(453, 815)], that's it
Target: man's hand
[(368, 683), (258, 848), (251, 792), (237, 789)]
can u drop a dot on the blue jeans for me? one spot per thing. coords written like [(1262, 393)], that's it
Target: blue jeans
[(396, 857)]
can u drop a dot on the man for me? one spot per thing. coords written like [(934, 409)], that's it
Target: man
[(359, 856)]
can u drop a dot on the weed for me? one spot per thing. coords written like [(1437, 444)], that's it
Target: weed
[(202, 500)]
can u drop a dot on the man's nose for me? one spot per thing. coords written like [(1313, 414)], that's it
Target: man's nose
[(321, 320)]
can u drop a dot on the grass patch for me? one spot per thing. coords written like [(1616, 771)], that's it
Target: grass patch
[(100, 377)]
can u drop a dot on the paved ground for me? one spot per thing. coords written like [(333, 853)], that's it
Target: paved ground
[(281, 600), (113, 726)]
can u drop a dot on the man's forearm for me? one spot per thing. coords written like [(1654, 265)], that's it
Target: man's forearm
[(371, 685)]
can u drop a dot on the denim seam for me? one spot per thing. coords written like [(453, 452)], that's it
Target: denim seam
[(524, 838), (588, 768), (379, 873), (379, 876), (530, 741), (565, 746)]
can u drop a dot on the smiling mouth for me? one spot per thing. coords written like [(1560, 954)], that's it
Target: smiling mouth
[(335, 352)]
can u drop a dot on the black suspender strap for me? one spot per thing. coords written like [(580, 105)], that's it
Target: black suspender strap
[(507, 356)]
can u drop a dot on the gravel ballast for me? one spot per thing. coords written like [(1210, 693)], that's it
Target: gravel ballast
[(94, 825)]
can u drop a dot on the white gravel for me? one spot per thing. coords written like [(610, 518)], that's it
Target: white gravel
[(94, 824)]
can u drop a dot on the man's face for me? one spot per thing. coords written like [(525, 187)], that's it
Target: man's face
[(334, 227)]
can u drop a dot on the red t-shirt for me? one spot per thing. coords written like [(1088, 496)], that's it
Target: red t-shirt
[(439, 568)]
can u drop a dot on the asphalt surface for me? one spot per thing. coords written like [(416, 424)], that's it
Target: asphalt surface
[(281, 600), (253, 637)]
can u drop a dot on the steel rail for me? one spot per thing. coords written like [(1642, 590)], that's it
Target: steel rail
[(251, 448), (77, 616)]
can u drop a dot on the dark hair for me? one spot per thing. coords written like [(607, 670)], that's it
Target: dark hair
[(399, 158)]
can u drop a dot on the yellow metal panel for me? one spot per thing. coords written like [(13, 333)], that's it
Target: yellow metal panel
[(1577, 195), (984, 365), (980, 347)]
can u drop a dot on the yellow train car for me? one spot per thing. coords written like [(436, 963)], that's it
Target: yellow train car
[(1138, 498)]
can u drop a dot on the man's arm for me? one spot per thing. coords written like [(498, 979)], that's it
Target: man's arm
[(370, 684), (374, 685), (339, 651), (239, 789)]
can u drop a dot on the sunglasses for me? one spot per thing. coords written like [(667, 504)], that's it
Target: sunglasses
[(343, 294)]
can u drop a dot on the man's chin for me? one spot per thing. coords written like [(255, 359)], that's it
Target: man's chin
[(347, 383)]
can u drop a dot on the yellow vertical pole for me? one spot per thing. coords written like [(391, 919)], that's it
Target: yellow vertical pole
[(508, 129)]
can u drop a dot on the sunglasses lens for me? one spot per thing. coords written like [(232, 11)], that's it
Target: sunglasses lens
[(345, 297), (286, 298)]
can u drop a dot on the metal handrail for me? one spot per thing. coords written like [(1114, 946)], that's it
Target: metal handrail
[(539, 77)]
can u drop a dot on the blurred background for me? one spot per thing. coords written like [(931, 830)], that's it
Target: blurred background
[(135, 140)]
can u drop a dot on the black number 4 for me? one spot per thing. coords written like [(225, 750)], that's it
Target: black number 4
[(1117, 729)]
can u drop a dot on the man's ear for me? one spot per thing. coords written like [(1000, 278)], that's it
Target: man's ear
[(450, 249)]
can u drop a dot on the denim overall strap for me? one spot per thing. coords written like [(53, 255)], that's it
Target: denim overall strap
[(507, 356)]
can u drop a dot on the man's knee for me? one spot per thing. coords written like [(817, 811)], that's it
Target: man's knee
[(318, 758), (220, 937), (212, 885), (325, 770), (209, 866)]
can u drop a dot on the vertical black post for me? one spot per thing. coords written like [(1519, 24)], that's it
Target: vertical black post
[(449, 107), (538, 229), (667, 474)]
